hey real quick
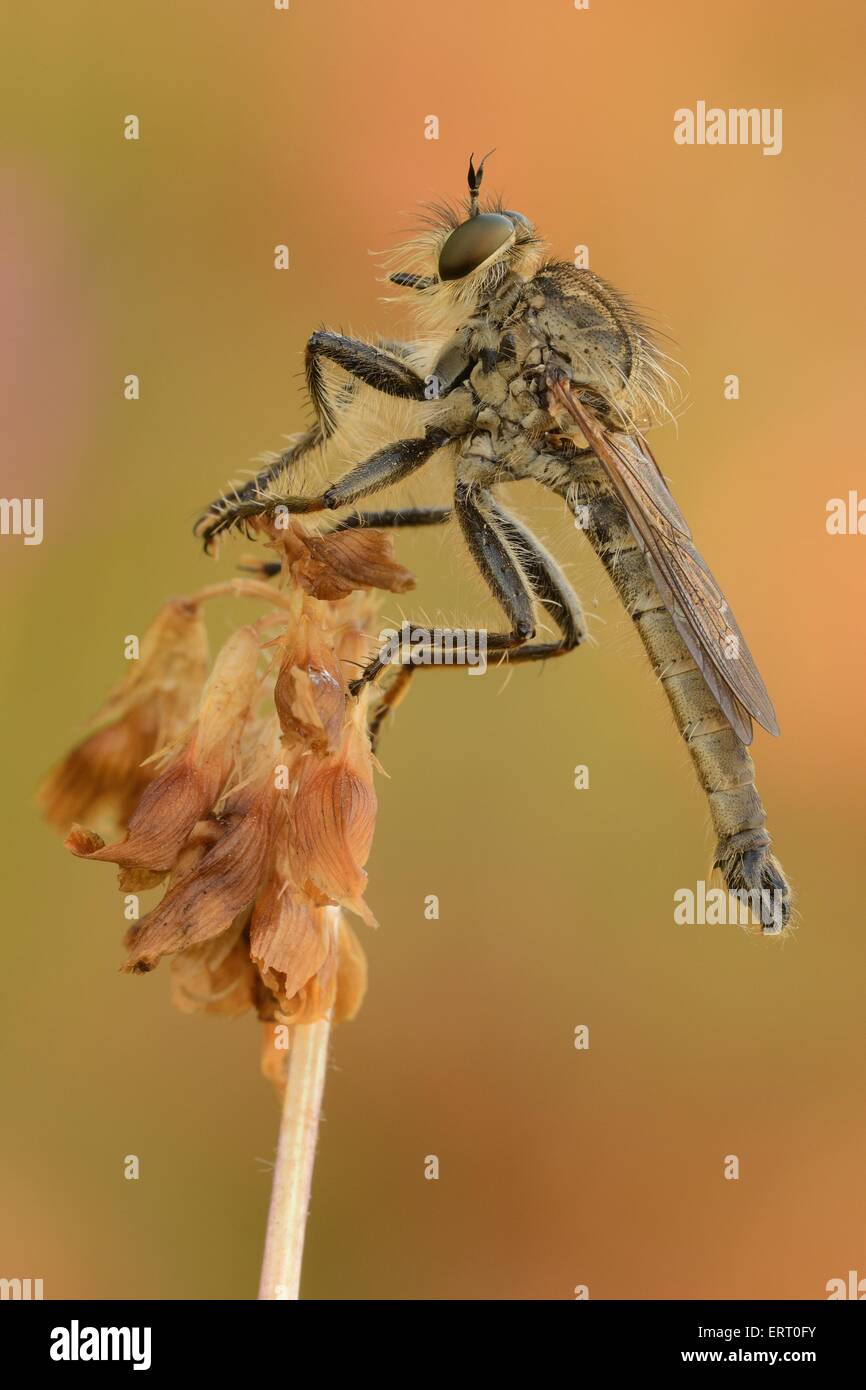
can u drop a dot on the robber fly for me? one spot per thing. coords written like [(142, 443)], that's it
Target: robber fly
[(527, 367)]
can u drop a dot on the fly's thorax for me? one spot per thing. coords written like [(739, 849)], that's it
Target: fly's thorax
[(599, 354), (510, 403), (585, 325), (506, 380)]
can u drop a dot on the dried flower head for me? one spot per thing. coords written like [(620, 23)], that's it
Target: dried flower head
[(248, 791)]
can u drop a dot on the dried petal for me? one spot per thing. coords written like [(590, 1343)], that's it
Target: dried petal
[(353, 559), (351, 975), (104, 770), (315, 999), (149, 708), (226, 700), (288, 939), (310, 694), (83, 842), (191, 784), (139, 880), (161, 822), (216, 977), (205, 901), (332, 820)]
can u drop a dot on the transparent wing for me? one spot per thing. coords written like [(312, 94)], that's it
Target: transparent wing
[(688, 589)]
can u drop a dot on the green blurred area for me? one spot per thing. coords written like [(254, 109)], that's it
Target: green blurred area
[(155, 257)]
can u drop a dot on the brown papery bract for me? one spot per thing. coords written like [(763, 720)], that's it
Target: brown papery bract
[(217, 977), (288, 936), (337, 987), (332, 565), (332, 821), (345, 560), (310, 690), (205, 901)]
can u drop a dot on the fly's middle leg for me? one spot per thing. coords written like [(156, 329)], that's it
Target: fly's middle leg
[(394, 518)]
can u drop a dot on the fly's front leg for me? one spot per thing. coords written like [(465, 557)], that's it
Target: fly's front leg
[(373, 365), (387, 466), (228, 510), (233, 513), (383, 368)]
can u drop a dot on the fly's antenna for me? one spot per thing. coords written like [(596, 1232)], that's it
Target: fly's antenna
[(474, 180)]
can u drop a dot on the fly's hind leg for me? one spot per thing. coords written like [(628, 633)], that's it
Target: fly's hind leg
[(493, 556), (392, 696), (395, 692), (549, 585), (518, 571)]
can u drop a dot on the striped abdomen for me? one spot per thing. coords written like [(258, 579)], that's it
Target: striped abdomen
[(724, 767)]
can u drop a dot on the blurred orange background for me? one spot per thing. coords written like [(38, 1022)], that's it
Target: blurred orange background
[(558, 1167)]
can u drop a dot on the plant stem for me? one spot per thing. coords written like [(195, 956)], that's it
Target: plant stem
[(296, 1154), (244, 588)]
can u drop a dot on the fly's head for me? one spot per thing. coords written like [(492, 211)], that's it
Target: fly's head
[(467, 254)]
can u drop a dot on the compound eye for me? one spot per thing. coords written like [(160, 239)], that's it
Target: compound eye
[(472, 243)]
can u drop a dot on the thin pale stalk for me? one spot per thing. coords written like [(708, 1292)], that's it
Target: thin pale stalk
[(296, 1155), (244, 588)]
